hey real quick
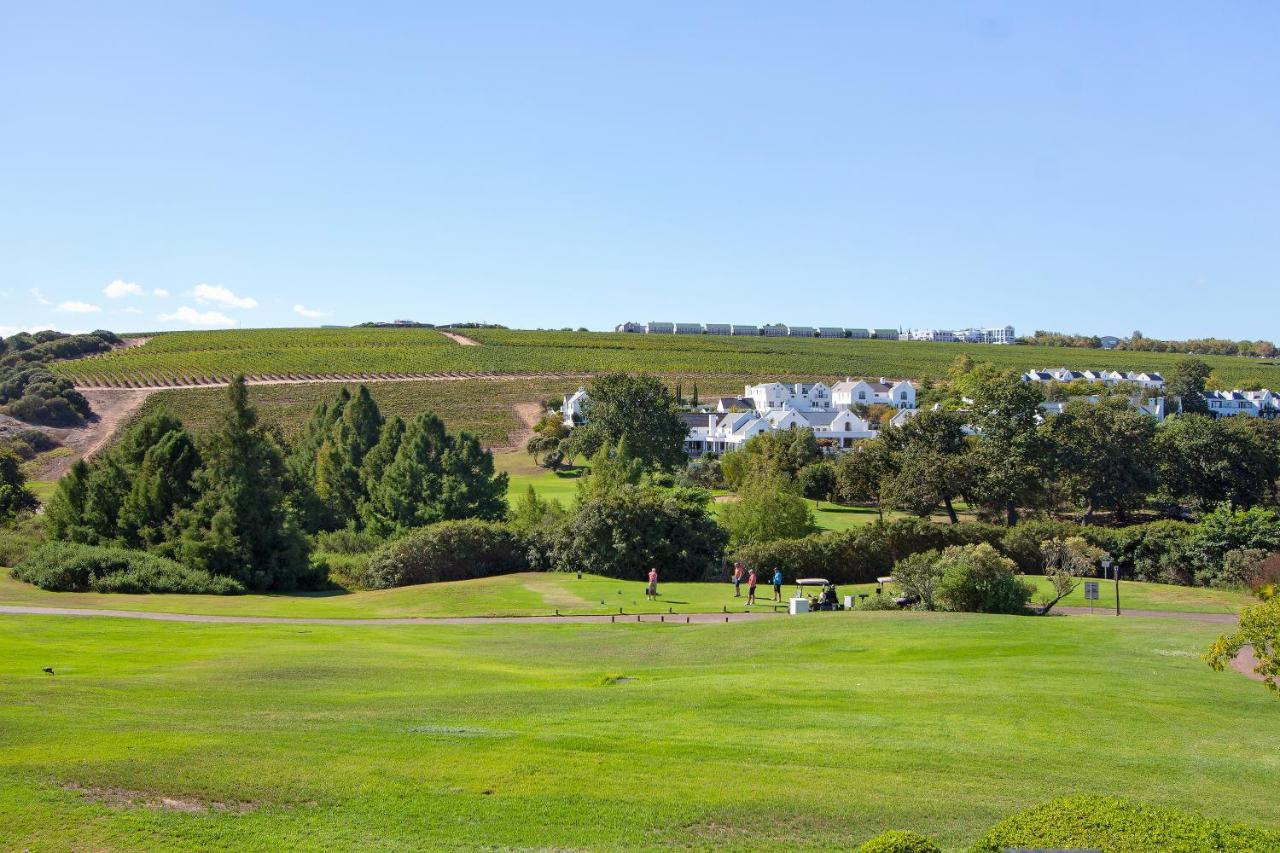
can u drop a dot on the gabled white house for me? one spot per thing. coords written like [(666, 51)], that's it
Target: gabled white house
[(688, 328), (571, 409), (800, 331), (725, 433), (830, 332), (1254, 404), (652, 328), (773, 330), (744, 330), (801, 396), (717, 328), (900, 393)]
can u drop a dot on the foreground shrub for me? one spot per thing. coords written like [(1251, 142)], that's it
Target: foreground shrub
[(447, 551), (977, 579), (899, 841), (20, 538), (1117, 826), (69, 567)]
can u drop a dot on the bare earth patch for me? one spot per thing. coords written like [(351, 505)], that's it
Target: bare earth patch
[(1245, 662), (123, 798), (460, 339)]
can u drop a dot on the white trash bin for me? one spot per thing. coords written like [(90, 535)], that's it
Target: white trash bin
[(848, 602), (799, 605)]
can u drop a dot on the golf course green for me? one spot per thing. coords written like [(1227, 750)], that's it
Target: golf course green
[(817, 731)]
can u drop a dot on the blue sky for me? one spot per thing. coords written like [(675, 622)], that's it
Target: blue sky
[(1096, 167)]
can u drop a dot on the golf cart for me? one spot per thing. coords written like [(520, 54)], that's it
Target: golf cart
[(826, 598)]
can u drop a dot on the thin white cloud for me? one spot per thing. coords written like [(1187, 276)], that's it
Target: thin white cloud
[(219, 295), (311, 313), (132, 309), (119, 289), (192, 317), (35, 291), (10, 331), (74, 307), (161, 292)]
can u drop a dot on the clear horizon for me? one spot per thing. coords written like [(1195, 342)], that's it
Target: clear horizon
[(1078, 169)]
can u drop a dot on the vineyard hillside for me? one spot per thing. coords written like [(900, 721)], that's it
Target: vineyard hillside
[(191, 357)]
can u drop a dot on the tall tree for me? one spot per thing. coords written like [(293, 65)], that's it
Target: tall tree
[(1105, 456), (1201, 461), (768, 507), (365, 420), (932, 464), (1012, 456), (1187, 384), (639, 409), (239, 526), (163, 487)]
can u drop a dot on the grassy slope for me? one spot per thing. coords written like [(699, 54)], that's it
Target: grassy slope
[(526, 594), (281, 351), (819, 731)]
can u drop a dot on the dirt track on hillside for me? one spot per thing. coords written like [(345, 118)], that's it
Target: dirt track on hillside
[(460, 339)]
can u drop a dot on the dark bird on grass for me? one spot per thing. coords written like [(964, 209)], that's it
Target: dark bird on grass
[(48, 669)]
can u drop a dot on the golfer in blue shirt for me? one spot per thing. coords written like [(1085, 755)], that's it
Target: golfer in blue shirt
[(777, 584)]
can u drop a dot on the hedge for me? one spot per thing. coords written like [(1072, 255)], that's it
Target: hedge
[(1118, 826), (862, 554), (447, 551), (70, 567)]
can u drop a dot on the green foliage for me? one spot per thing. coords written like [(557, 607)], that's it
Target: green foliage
[(768, 507), (1225, 530), (1022, 544), (70, 567), (240, 526), (899, 841), (978, 579), (434, 476), (19, 538), (612, 468), (782, 452), (635, 528), (1203, 460), (1104, 456), (918, 575), (1186, 385), (1066, 561), (1088, 822), (817, 480), (448, 551), (703, 472), (15, 497), (638, 410), (37, 396)]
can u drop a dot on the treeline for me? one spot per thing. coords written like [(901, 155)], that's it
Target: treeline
[(1138, 343), (30, 392), (240, 504)]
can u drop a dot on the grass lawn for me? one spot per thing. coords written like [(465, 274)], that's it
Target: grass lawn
[(542, 594), (817, 732)]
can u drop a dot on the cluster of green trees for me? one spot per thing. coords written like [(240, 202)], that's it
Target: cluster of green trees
[(240, 503), (356, 470), (29, 391), (1137, 342)]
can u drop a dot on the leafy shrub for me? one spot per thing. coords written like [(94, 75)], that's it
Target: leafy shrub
[(1155, 551), (1022, 543), (19, 539), (1225, 530), (36, 395), (625, 533), (1118, 826), (348, 541), (447, 551), (69, 567), (862, 554), (899, 841), (977, 579), (884, 601), (345, 570)]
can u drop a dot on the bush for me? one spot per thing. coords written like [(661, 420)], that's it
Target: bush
[(977, 579), (1022, 542), (625, 533), (19, 539), (36, 395), (447, 551), (347, 541), (68, 567), (1117, 826), (899, 841), (862, 554)]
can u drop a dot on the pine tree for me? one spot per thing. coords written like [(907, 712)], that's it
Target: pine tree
[(694, 400), (337, 478), (365, 420), (239, 526), (64, 511), (470, 488), (163, 486), (383, 453), (408, 494)]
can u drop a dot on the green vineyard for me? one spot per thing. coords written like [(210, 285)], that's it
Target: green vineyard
[(186, 358)]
